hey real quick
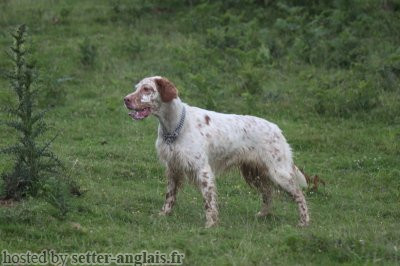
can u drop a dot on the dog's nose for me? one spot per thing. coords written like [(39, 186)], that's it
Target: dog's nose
[(127, 100)]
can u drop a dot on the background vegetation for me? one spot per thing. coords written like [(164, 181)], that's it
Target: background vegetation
[(327, 72)]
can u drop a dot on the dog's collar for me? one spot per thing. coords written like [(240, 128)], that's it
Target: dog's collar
[(169, 138)]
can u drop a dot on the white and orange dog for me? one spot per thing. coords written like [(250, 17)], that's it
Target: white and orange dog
[(198, 143)]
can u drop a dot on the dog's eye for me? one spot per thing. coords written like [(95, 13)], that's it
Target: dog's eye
[(146, 89)]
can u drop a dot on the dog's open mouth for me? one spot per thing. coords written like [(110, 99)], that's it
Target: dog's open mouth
[(140, 114)]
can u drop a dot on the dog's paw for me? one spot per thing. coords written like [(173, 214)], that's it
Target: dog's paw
[(164, 213), (303, 224), (262, 214), (210, 224)]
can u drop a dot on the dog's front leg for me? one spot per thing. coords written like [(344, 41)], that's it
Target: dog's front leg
[(175, 180), (206, 183)]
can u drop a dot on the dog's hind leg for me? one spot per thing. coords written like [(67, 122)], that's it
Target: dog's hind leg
[(287, 182), (266, 197), (258, 179)]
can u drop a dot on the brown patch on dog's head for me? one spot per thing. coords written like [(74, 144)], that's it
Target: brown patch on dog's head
[(167, 89)]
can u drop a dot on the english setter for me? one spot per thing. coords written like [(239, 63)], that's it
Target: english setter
[(198, 143)]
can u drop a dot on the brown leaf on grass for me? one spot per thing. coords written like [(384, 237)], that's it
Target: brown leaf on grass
[(316, 181), (313, 181)]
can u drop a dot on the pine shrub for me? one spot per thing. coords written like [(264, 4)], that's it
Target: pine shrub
[(37, 170)]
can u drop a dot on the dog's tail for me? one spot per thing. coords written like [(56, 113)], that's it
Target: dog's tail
[(300, 177)]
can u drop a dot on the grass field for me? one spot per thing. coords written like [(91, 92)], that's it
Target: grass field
[(356, 151)]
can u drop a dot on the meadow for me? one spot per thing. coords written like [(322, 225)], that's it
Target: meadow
[(326, 72)]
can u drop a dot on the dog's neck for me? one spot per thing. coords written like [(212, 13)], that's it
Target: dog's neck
[(170, 114)]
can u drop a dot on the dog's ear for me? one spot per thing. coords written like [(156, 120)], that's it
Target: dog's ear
[(166, 89)]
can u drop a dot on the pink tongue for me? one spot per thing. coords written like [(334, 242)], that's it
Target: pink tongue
[(139, 115)]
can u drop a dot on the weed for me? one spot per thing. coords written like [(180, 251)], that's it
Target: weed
[(88, 52), (36, 167)]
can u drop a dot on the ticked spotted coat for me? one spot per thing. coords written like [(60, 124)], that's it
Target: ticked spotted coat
[(204, 143)]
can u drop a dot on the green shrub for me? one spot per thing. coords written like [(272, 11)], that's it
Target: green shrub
[(389, 72), (88, 52), (64, 15), (207, 88), (37, 171), (343, 94)]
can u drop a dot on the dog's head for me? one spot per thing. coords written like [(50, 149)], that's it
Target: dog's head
[(149, 95)]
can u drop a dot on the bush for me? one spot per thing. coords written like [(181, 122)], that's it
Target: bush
[(88, 52), (344, 98), (37, 170)]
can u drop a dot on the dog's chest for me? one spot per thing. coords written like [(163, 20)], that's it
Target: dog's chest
[(166, 152), (178, 155), (169, 153)]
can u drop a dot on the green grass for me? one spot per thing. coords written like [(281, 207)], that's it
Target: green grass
[(355, 217)]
